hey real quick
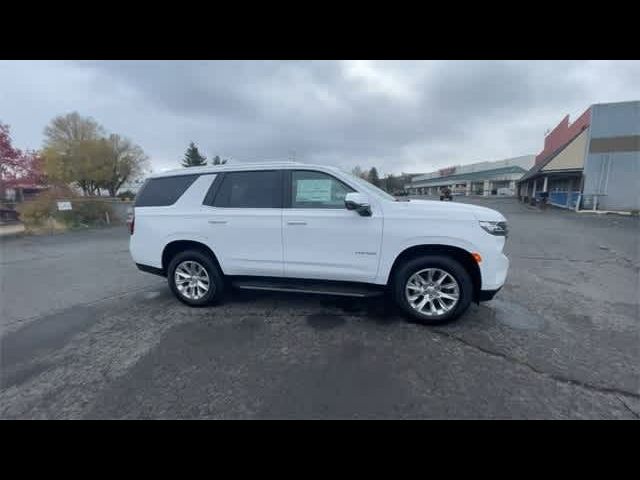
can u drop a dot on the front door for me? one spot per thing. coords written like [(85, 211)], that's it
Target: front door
[(244, 223), (324, 240)]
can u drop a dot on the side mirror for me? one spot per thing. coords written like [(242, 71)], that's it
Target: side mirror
[(358, 202)]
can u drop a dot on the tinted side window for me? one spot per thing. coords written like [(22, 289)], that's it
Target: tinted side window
[(317, 190), (163, 191), (261, 189)]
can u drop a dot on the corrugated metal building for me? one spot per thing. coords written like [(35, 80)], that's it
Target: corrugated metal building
[(598, 165)]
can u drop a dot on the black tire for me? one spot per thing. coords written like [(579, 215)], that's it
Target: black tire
[(216, 282), (444, 263)]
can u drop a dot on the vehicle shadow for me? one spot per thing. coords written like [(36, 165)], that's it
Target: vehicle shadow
[(320, 309)]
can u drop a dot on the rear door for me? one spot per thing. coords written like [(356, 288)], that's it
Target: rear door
[(322, 239), (244, 222)]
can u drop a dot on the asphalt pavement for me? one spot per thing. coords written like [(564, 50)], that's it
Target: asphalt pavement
[(85, 335)]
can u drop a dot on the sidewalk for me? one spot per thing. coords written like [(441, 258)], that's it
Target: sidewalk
[(11, 229)]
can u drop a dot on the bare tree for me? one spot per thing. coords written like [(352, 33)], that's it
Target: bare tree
[(359, 172), (124, 160)]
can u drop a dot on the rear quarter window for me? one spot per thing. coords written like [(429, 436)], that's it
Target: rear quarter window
[(163, 191)]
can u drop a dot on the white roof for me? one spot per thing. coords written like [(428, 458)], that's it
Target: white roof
[(235, 167)]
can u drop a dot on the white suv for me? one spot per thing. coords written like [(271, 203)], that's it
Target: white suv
[(315, 229)]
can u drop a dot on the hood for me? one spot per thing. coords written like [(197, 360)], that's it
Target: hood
[(452, 208)]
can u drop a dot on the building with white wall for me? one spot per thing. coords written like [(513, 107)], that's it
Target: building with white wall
[(482, 178)]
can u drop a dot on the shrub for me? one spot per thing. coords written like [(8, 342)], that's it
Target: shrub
[(84, 212), (89, 212), (126, 195), (36, 212)]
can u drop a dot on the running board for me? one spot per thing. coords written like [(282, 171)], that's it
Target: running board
[(345, 289)]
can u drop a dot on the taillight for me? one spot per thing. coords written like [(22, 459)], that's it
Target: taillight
[(131, 221)]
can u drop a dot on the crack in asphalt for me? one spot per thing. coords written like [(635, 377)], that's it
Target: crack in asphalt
[(594, 261), (624, 404), (554, 376)]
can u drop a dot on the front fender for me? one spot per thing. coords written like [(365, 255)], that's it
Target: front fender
[(387, 261)]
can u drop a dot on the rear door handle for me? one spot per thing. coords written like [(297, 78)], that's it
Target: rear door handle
[(296, 222), (217, 222)]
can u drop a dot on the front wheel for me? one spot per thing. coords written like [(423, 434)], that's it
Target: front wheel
[(195, 279), (432, 289)]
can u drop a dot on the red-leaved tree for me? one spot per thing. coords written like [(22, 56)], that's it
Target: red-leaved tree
[(17, 167)]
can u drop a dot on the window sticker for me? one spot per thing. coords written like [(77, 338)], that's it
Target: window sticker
[(313, 190)]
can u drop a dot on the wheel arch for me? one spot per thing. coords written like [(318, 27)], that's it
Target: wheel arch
[(460, 254), (174, 247)]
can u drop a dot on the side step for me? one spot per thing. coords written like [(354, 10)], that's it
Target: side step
[(346, 289)]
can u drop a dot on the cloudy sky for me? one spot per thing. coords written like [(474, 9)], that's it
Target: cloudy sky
[(412, 116)]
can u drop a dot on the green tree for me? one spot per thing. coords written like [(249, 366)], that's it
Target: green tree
[(77, 151), (217, 161), (373, 177), (74, 152), (193, 158)]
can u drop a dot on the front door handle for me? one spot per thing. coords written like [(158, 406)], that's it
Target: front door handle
[(217, 222), (296, 222)]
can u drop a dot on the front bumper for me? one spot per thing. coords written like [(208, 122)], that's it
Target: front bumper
[(486, 295), (494, 271)]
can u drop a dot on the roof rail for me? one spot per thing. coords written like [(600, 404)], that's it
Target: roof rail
[(266, 162)]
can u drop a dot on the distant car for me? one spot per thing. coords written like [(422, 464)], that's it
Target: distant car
[(315, 229), (446, 195)]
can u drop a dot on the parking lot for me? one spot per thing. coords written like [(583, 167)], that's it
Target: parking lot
[(85, 335)]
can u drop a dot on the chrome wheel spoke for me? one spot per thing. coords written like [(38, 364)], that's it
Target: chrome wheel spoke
[(432, 307), (443, 275), (421, 305), (453, 297)]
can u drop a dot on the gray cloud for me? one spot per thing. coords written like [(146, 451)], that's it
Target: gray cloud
[(397, 115)]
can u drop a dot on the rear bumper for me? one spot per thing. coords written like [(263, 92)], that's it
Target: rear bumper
[(150, 269), (486, 295)]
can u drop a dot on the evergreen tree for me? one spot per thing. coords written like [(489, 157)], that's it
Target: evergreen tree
[(193, 158), (373, 177), (217, 161)]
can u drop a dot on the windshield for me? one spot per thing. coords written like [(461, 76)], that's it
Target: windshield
[(369, 187)]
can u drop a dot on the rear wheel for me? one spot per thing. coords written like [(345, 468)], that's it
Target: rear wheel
[(195, 279), (432, 289)]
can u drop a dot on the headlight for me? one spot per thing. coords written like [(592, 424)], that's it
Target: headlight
[(495, 228)]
